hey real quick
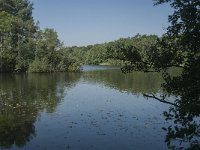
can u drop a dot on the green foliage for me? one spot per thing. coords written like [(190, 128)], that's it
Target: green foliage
[(17, 31), (131, 50), (113, 53), (179, 47), (22, 44), (113, 62), (49, 57), (40, 66), (74, 53)]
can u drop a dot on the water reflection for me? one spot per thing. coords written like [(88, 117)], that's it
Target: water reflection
[(135, 83), (23, 97), (184, 129), (94, 110)]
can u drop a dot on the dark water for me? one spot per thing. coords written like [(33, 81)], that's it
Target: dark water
[(99, 109)]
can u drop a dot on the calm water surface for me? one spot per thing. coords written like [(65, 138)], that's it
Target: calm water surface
[(99, 109)]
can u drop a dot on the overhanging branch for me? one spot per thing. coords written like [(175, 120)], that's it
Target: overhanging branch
[(159, 99)]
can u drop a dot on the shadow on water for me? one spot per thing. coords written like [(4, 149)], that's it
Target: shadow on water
[(184, 129), (136, 83), (184, 133), (23, 97)]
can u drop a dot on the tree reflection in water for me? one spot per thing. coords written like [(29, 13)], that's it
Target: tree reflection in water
[(184, 98), (23, 97)]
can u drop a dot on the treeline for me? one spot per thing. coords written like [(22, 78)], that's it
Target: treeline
[(24, 47), (112, 53)]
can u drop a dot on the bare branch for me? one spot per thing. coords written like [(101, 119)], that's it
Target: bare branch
[(159, 99)]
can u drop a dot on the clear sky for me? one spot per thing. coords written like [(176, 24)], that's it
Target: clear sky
[(84, 22)]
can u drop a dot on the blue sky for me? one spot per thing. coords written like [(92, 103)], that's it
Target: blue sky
[(84, 22)]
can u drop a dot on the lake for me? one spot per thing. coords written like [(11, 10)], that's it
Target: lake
[(98, 109)]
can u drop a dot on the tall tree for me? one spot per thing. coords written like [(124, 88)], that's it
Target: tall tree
[(49, 54), (182, 46), (17, 35), (179, 47)]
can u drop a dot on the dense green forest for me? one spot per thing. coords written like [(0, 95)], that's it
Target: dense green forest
[(112, 53), (24, 46)]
